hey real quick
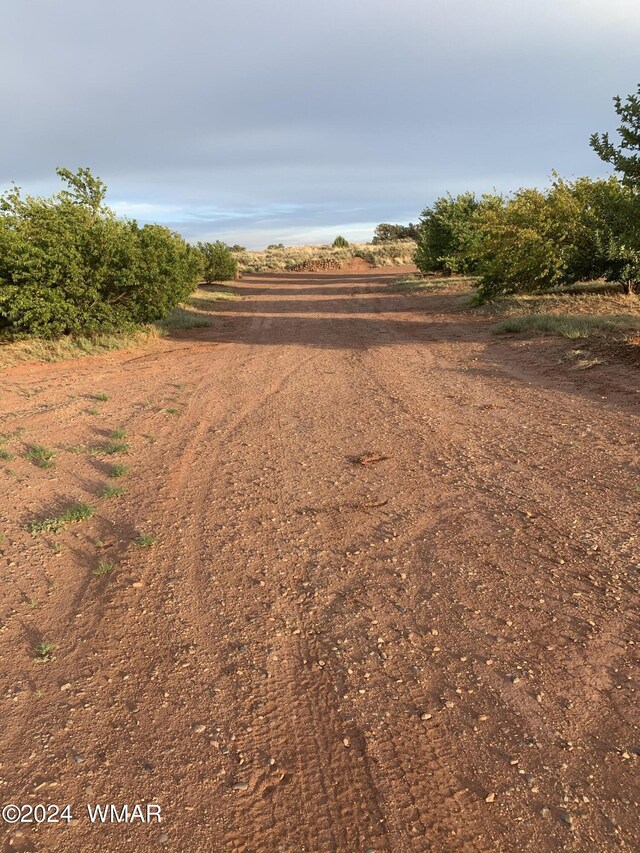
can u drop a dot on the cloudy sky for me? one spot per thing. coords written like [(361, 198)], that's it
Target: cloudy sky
[(261, 121)]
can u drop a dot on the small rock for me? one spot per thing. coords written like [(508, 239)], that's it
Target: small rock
[(240, 786), (137, 584), (346, 742), (66, 686), (425, 716), (565, 817), (198, 728), (163, 837), (489, 798)]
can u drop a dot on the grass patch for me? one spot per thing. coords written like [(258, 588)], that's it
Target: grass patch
[(117, 471), (101, 398), (40, 456), (182, 318), (111, 492), (44, 650), (75, 513), (575, 327), (417, 284), (109, 448), (103, 568), (38, 349), (117, 434), (144, 540), (171, 411), (8, 457)]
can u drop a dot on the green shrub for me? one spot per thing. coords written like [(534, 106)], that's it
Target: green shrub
[(340, 243), (447, 234), (68, 266), (218, 262), (574, 231)]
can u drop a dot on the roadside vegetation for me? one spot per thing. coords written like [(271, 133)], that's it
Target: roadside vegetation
[(280, 258), (562, 261), (535, 241)]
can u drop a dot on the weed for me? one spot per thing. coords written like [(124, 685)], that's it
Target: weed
[(145, 539), (39, 694), (75, 513), (44, 650), (11, 472), (101, 397), (40, 456), (56, 547), (117, 434), (567, 325), (93, 412), (8, 457), (117, 471), (111, 492), (183, 318), (171, 411), (103, 568), (32, 602), (110, 448)]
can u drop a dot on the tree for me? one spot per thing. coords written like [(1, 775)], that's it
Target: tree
[(627, 164), (218, 262), (386, 233), (340, 243), (446, 234), (623, 212)]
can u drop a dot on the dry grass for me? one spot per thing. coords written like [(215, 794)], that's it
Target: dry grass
[(429, 284), (38, 349), (590, 298), (196, 313), (394, 253), (574, 326), (586, 310)]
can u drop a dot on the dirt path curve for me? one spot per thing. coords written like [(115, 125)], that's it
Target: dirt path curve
[(431, 649)]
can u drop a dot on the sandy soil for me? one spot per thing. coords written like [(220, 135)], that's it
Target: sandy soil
[(392, 602)]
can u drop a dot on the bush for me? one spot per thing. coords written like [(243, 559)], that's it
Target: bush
[(574, 231), (218, 262), (340, 243), (68, 266), (446, 235)]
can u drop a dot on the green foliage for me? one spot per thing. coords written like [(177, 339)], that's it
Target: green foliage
[(447, 234), (218, 263), (40, 455), (386, 233), (75, 513), (340, 242), (68, 266), (627, 164), (538, 240), (275, 246)]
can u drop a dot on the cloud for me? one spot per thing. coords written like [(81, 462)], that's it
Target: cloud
[(246, 117)]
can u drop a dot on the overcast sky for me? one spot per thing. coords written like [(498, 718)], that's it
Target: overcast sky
[(259, 121)]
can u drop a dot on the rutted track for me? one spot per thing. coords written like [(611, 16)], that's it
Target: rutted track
[(431, 652)]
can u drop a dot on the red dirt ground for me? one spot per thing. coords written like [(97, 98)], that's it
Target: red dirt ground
[(392, 604)]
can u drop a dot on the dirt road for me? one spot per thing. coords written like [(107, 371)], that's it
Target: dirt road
[(388, 600)]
